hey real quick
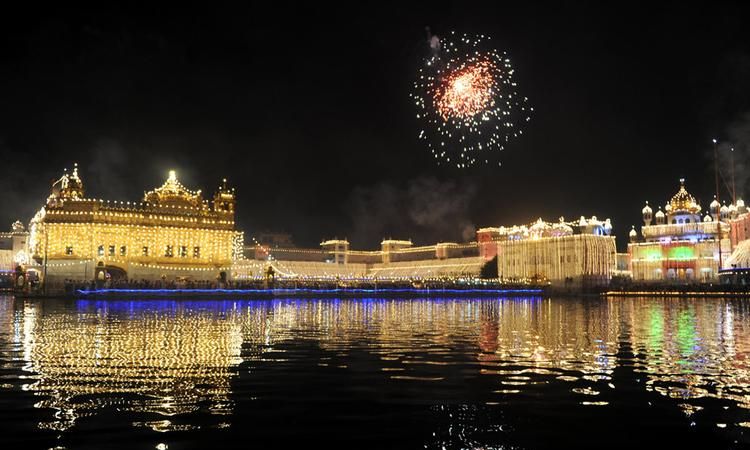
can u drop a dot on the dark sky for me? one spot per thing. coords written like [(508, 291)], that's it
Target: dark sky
[(306, 110)]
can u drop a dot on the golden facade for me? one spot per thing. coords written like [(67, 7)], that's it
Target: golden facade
[(585, 259), (173, 233), (580, 252)]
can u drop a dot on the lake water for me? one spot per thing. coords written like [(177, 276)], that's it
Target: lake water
[(511, 373)]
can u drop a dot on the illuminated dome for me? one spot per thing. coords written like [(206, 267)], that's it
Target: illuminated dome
[(540, 228), (646, 209), (561, 228), (173, 193), (715, 204), (682, 201), (741, 208), (708, 218), (659, 214), (633, 234)]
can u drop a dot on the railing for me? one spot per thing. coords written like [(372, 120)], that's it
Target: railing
[(678, 229)]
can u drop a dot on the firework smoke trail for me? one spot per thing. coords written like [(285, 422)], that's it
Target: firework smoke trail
[(468, 102)]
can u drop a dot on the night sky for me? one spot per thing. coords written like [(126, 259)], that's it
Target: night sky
[(306, 111)]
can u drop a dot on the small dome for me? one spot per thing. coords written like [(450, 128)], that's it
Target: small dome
[(740, 203), (659, 213), (724, 209), (561, 229), (708, 218), (633, 233), (646, 209), (539, 228), (732, 208), (715, 204)]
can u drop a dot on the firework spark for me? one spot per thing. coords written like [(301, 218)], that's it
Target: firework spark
[(465, 93), (468, 102)]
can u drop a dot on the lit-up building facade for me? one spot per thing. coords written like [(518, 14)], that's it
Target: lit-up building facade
[(679, 245), (172, 234), (736, 268), (396, 259), (579, 253), (14, 251)]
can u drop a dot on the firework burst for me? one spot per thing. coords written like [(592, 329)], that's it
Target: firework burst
[(468, 102)]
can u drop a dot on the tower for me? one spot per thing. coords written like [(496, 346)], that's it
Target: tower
[(224, 199), (66, 187)]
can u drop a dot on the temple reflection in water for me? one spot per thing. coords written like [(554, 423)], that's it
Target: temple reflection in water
[(178, 358)]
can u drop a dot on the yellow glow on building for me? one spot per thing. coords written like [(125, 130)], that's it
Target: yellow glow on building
[(172, 232)]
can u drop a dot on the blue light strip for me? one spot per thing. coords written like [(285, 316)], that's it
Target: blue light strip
[(302, 291)]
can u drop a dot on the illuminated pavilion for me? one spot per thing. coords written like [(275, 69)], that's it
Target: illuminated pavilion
[(173, 234)]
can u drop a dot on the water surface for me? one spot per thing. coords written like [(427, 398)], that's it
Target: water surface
[(509, 373)]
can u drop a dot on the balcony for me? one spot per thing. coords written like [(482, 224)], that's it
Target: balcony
[(683, 230)]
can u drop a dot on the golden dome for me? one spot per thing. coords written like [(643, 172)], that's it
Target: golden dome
[(173, 193), (682, 201)]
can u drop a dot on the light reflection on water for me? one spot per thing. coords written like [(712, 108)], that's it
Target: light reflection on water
[(183, 366)]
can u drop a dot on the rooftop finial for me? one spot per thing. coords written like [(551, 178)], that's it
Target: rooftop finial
[(172, 175)]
